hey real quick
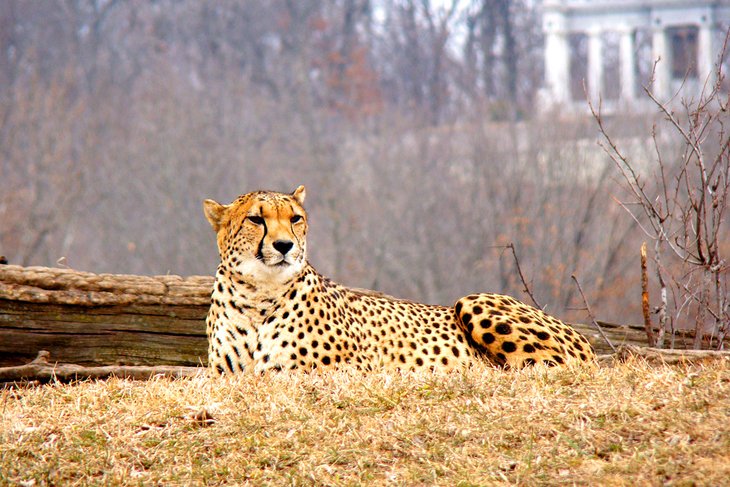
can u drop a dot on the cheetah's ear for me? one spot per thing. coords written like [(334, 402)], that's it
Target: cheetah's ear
[(214, 212), (299, 194)]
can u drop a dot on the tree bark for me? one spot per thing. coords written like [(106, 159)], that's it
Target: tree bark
[(102, 319)]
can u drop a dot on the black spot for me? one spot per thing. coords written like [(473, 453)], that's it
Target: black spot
[(525, 319), (487, 338), (275, 336), (549, 363), (578, 346), (445, 361), (293, 294), (458, 308), (583, 357), (559, 359), (326, 360), (436, 350), (315, 344), (529, 361), (503, 329), (543, 335), (477, 310), (466, 318), (509, 347), (419, 361), (502, 357), (219, 369), (485, 323), (402, 359), (527, 348), (266, 358), (455, 351)]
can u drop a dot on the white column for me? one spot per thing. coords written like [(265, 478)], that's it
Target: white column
[(706, 54), (663, 72), (628, 63), (595, 65), (557, 64)]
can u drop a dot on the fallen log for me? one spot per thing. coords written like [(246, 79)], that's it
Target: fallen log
[(102, 319), (115, 319), (42, 370), (670, 357)]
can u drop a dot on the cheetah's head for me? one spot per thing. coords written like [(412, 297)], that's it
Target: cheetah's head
[(261, 234)]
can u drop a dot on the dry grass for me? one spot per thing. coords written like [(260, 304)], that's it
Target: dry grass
[(614, 425)]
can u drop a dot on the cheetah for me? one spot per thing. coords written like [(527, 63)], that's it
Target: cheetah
[(271, 310)]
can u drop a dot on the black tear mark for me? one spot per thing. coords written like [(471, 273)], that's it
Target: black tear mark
[(259, 250)]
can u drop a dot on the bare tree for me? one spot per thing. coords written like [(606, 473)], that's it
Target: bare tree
[(680, 201)]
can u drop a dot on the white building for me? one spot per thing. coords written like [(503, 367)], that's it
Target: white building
[(684, 37)]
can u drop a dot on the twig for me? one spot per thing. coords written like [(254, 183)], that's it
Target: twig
[(590, 314), (522, 276)]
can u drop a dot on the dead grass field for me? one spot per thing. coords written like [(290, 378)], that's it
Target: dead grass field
[(628, 424)]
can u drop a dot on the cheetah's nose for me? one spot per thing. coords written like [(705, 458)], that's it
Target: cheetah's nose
[(283, 246)]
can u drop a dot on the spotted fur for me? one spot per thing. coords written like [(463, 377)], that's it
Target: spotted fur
[(270, 309)]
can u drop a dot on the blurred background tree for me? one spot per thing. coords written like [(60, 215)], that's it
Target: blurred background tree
[(412, 123)]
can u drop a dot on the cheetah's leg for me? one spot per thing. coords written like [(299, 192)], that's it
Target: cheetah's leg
[(514, 334)]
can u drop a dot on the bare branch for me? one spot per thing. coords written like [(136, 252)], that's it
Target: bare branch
[(590, 314), (522, 276), (42, 370), (645, 298)]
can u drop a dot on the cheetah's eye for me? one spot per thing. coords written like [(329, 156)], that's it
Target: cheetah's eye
[(296, 218), (256, 220)]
